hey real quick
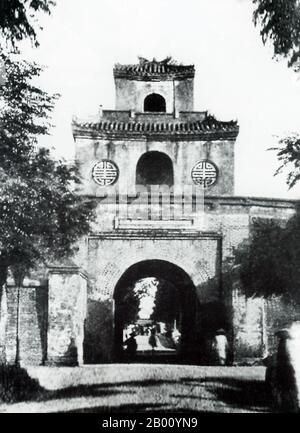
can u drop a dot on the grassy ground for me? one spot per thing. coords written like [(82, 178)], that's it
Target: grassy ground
[(146, 388)]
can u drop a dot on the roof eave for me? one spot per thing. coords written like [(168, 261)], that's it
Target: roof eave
[(79, 132)]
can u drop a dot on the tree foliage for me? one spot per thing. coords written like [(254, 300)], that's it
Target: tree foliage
[(18, 19), (127, 306), (279, 21), (166, 303), (288, 154), (268, 262), (128, 300), (42, 216)]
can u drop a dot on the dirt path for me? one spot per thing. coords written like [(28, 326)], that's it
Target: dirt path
[(145, 387)]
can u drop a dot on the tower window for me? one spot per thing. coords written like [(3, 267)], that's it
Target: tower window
[(155, 102), (154, 168)]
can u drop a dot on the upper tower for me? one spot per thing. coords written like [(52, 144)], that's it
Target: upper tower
[(154, 86), (154, 136)]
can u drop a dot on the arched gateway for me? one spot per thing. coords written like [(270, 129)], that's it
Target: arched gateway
[(120, 259), (194, 327)]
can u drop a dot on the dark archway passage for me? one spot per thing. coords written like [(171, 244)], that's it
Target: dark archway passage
[(155, 103), (154, 168), (180, 296)]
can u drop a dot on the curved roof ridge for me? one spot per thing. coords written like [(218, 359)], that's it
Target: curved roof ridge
[(209, 124), (166, 68)]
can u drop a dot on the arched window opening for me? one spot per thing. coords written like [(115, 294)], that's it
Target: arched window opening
[(155, 102), (154, 168)]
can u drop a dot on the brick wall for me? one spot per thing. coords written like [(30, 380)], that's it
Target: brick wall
[(279, 314), (130, 94), (111, 255), (33, 324), (183, 154), (107, 255), (67, 313)]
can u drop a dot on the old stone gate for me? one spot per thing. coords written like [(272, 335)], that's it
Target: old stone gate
[(163, 177), (151, 255)]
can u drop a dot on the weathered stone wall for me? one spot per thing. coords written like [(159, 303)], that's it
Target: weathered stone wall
[(99, 330), (184, 94), (231, 220), (111, 254), (67, 313), (80, 321), (32, 324), (254, 321), (230, 217), (183, 154), (279, 313), (248, 327), (130, 94)]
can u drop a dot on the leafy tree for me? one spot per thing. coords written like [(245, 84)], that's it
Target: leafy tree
[(166, 303), (42, 217), (260, 261), (17, 19), (127, 306), (288, 154), (280, 23), (128, 301), (268, 262)]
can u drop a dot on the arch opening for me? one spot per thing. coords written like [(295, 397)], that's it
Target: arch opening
[(185, 317), (156, 296), (155, 103), (154, 168)]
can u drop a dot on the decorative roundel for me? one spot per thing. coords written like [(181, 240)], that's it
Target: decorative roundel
[(105, 172), (205, 173)]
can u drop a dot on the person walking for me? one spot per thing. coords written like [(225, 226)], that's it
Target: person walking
[(220, 347), (152, 339), (131, 346)]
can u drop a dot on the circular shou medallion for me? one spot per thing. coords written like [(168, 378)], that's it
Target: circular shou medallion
[(105, 172), (204, 173)]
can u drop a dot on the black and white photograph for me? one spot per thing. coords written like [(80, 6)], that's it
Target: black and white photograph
[(149, 209)]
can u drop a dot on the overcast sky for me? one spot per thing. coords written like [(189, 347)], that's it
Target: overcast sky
[(236, 77)]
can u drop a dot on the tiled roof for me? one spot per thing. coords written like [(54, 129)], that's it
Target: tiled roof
[(208, 126), (146, 69)]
